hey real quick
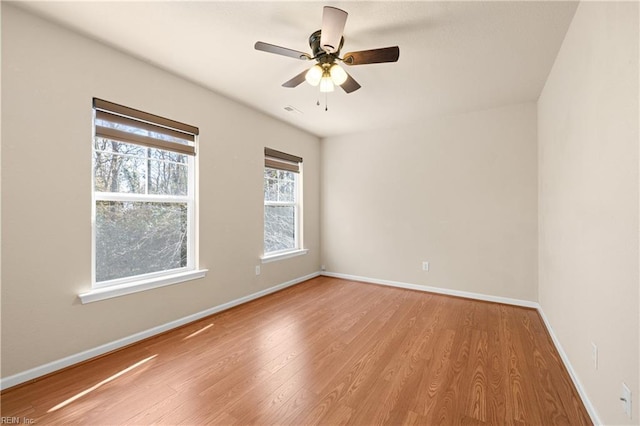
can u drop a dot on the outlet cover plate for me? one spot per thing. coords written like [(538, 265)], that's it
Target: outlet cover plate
[(626, 399)]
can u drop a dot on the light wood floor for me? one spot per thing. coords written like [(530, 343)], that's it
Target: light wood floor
[(326, 351)]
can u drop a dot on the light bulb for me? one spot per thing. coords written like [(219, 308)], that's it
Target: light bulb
[(314, 75), (326, 85), (338, 75)]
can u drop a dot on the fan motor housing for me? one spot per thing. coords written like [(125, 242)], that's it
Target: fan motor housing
[(319, 53)]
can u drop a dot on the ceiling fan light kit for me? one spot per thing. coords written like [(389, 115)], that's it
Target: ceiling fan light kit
[(326, 85), (325, 46), (338, 75), (314, 75), (326, 76)]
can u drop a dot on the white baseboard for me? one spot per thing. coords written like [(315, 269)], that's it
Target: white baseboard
[(51, 367), (565, 359), (438, 290), (478, 296)]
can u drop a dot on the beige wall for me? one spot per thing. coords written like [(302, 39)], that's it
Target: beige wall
[(459, 192), (588, 201), (49, 76)]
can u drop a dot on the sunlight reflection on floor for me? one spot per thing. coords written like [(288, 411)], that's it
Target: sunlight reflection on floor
[(97, 385), (195, 333)]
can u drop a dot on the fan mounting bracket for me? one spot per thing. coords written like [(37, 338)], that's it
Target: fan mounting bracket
[(319, 53)]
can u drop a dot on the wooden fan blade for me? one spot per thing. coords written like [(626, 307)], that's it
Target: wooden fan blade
[(295, 81), (278, 50), (350, 85), (333, 20), (375, 56)]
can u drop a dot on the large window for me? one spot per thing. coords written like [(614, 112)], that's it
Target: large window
[(143, 196), (282, 207)]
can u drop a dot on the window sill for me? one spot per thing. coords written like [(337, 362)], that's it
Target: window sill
[(285, 255), (137, 286)]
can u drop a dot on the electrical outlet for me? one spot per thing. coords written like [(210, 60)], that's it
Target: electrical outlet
[(594, 355), (323, 268), (425, 266), (257, 269), (626, 400)]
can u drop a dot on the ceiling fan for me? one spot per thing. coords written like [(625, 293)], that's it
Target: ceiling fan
[(325, 47)]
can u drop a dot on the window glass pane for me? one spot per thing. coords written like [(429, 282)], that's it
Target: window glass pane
[(108, 145), (161, 154), (270, 173), (279, 185), (119, 172), (270, 190), (286, 191), (134, 238), (285, 175), (279, 228), (168, 178)]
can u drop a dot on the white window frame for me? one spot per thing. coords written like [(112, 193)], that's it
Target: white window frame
[(298, 219), (117, 287)]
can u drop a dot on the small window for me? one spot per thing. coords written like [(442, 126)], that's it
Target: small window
[(143, 195), (282, 203)]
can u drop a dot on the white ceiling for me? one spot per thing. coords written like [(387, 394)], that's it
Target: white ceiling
[(454, 56)]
